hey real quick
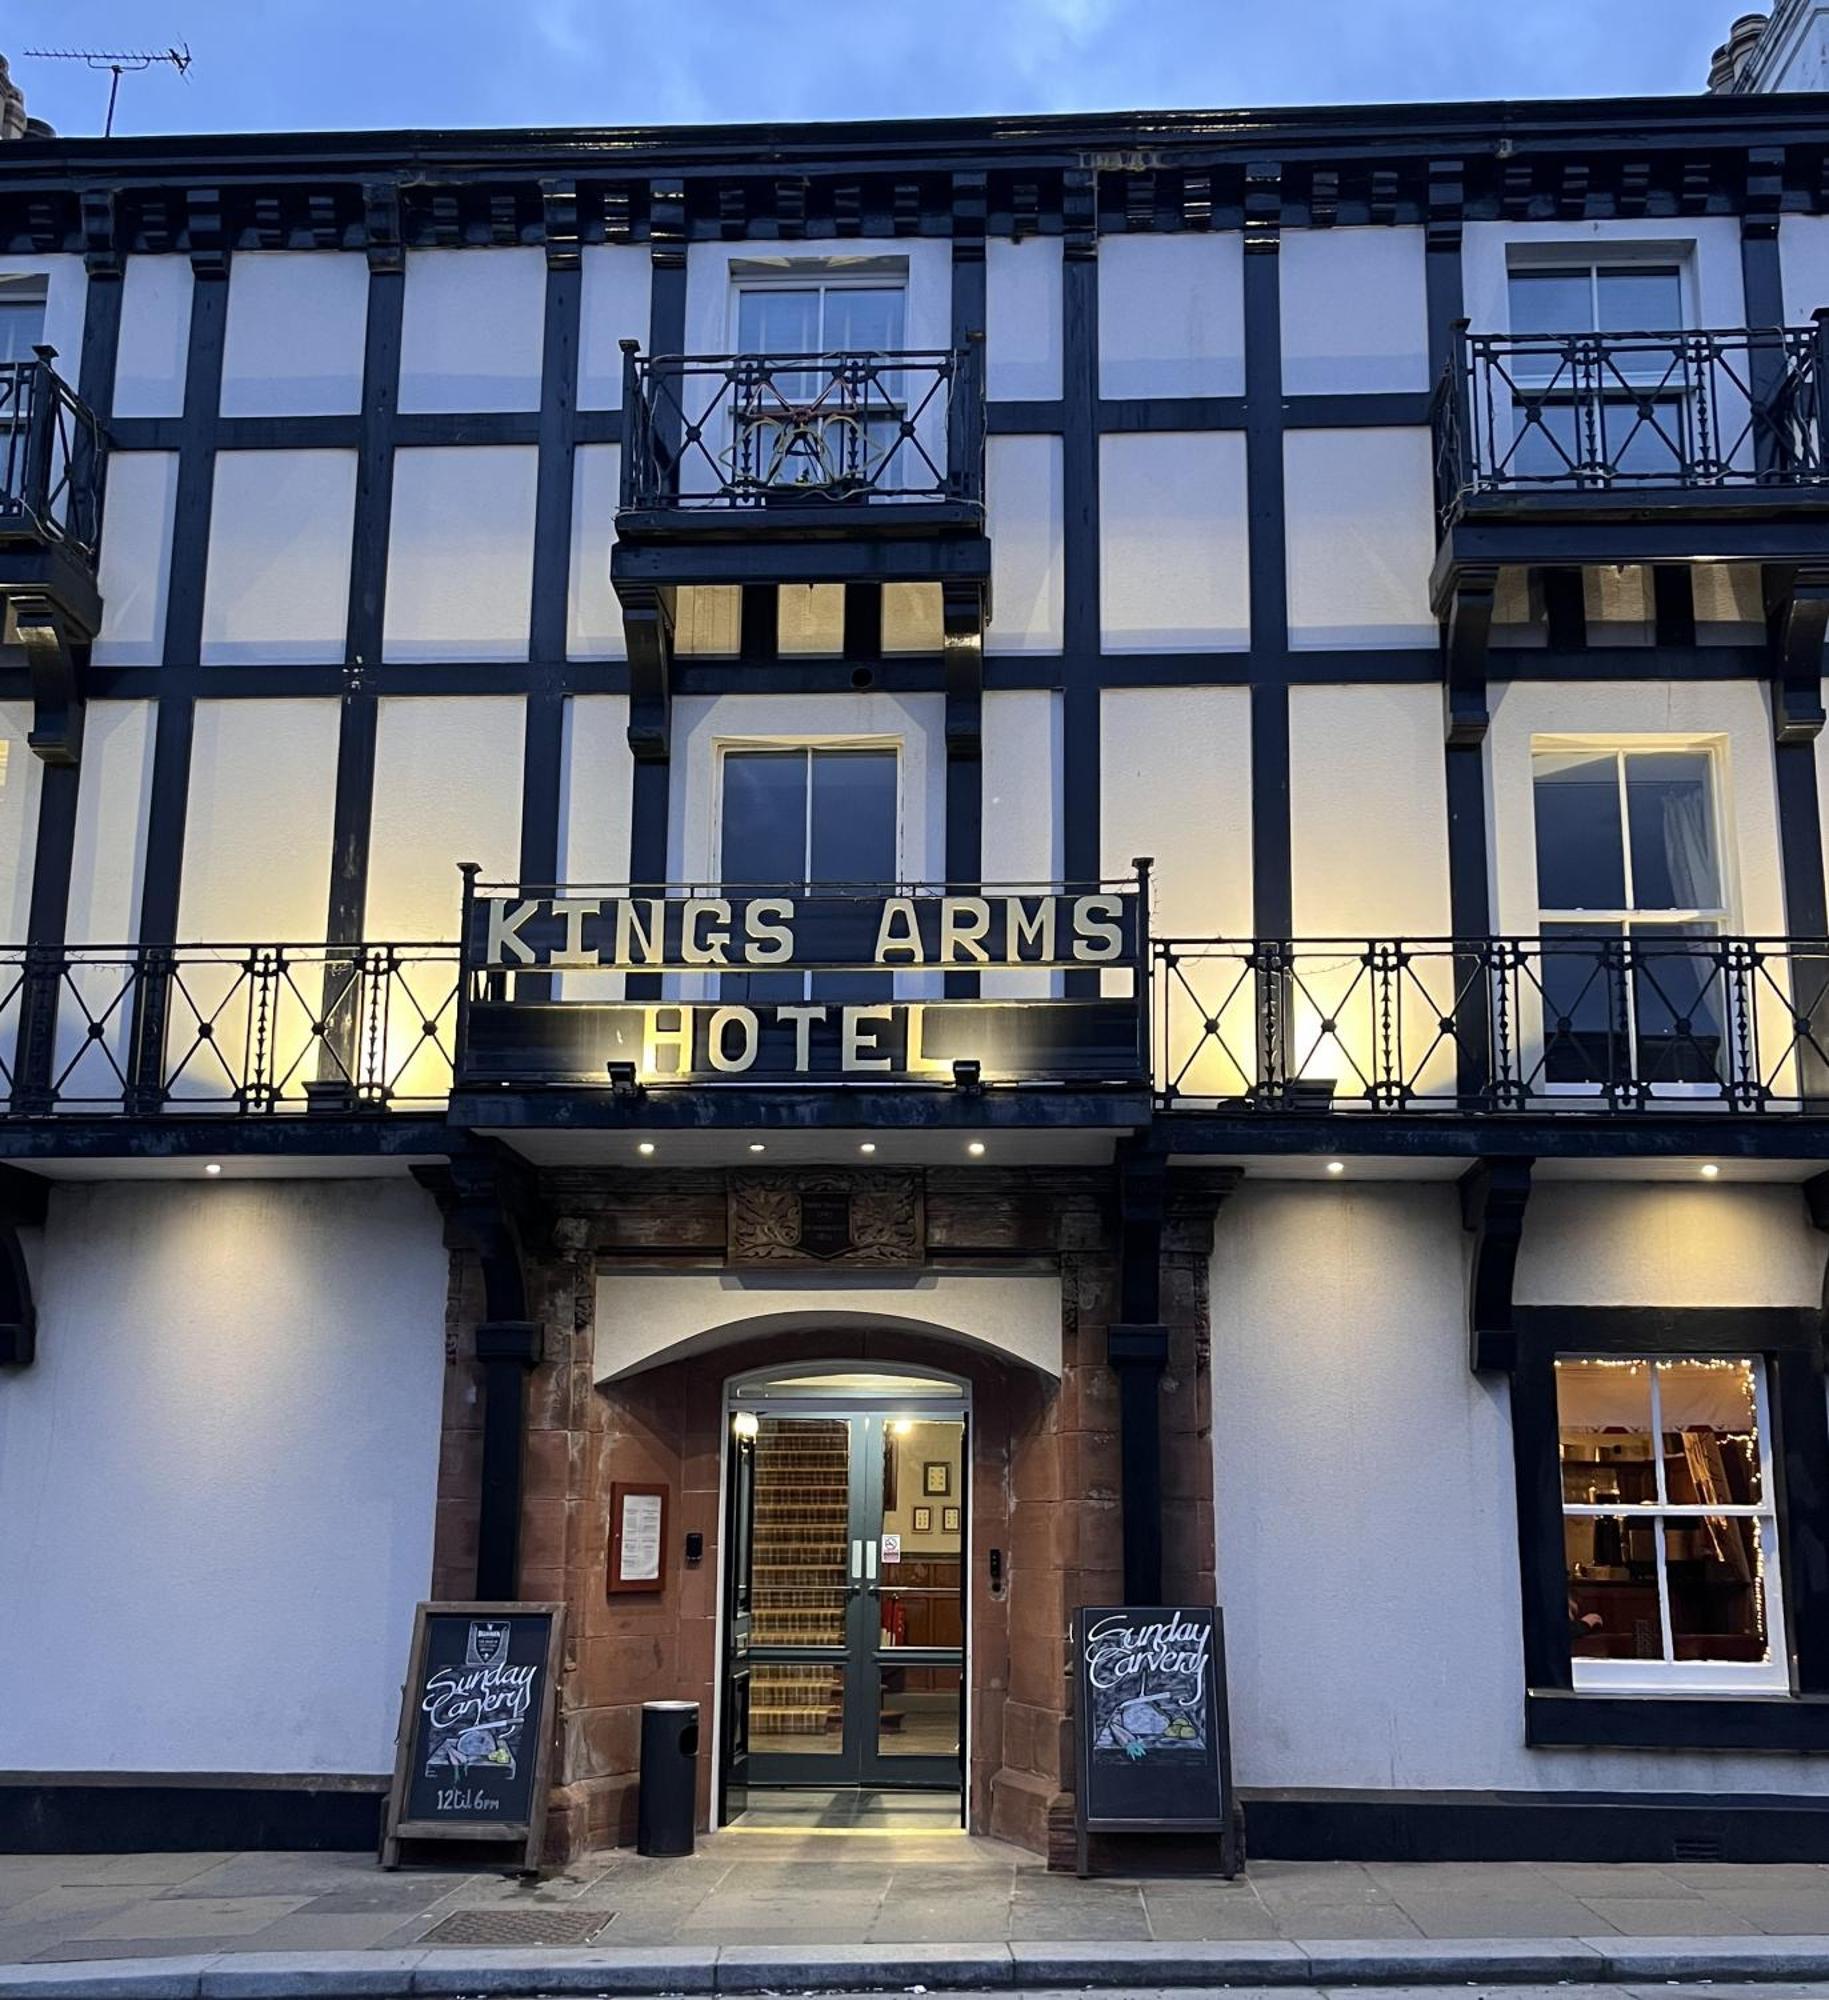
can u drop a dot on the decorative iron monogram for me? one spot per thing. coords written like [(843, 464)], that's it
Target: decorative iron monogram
[(872, 1219)]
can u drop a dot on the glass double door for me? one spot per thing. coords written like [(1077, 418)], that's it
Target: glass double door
[(845, 1611)]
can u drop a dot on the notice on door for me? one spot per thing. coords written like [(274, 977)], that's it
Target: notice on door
[(892, 1550)]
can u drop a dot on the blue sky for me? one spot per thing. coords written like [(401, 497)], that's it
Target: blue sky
[(326, 64)]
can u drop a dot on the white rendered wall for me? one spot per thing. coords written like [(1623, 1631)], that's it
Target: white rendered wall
[(296, 334), (1803, 244), (1022, 319), (66, 292), (21, 778), (447, 789), (1174, 543), (281, 526), (1360, 537), (1021, 779), (151, 360), (460, 555), (1730, 718), (134, 570), (473, 330), (257, 828), (1367, 1524), (593, 618), (227, 1456), (1355, 311), (1172, 315), (613, 308), (599, 781), (1023, 498), (645, 1318), (1368, 812)]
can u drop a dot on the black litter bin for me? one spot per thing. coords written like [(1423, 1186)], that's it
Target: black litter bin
[(668, 1804)]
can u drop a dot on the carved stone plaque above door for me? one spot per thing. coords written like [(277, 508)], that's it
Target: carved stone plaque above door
[(822, 1220)]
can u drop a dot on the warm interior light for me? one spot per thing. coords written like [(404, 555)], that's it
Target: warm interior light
[(645, 1148), (1336, 1166), (746, 1424), (1710, 1171), (212, 1168), (901, 1427), (976, 1149)]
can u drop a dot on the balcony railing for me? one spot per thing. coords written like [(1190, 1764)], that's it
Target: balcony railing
[(1571, 1023), (246, 1029), (50, 459), (1561, 414), (719, 434)]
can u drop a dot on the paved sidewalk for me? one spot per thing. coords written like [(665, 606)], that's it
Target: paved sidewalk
[(812, 1892)]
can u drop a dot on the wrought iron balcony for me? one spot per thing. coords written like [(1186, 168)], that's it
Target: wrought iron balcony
[(1571, 1023), (253, 1030), (1592, 419), (50, 460), (776, 441)]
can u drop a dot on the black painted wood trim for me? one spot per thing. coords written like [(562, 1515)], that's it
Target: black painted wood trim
[(1780, 1723), (1081, 776), (359, 721), (1272, 876), (186, 1813)]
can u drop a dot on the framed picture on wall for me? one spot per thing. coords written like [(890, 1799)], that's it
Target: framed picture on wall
[(937, 1477), (949, 1520), (923, 1520)]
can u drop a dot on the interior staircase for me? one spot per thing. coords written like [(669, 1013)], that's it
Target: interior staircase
[(798, 1575)]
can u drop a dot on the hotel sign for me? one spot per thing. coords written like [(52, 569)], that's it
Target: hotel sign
[(581, 986)]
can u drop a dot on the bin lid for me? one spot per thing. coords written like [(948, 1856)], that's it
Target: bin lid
[(670, 1707)]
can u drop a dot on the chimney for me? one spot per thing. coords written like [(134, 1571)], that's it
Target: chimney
[(1731, 59), (14, 124)]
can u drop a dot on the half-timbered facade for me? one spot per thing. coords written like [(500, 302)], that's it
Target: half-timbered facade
[(1041, 862)]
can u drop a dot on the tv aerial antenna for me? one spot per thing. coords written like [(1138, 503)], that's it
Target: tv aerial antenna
[(118, 63)]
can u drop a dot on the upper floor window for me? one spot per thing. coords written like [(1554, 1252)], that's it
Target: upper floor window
[(1592, 409), (1670, 1523), (802, 819), (22, 304), (833, 429), (1629, 876)]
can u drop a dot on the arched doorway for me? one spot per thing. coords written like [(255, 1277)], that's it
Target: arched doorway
[(845, 1626)]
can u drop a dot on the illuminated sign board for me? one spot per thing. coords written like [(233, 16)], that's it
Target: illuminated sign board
[(764, 986)]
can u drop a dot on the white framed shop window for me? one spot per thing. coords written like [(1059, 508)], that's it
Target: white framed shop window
[(1670, 1524), (1629, 852)]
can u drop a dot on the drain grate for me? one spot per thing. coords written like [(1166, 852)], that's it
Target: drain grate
[(523, 1927)]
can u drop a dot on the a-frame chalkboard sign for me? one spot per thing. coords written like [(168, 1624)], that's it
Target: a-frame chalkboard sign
[(1155, 1753), (474, 1756)]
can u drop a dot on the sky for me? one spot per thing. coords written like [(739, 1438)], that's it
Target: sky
[(265, 65)]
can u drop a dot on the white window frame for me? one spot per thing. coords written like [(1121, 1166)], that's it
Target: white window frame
[(1723, 917), (1671, 1676)]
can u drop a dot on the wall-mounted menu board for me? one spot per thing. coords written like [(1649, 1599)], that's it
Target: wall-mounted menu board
[(1150, 1717), (476, 1727)]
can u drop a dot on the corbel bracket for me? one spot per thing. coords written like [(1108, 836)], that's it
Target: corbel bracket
[(648, 612), (1466, 644), (491, 1208), (1797, 620), (53, 657), (1494, 1195), (23, 1199)]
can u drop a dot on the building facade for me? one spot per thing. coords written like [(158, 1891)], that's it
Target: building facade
[(828, 888)]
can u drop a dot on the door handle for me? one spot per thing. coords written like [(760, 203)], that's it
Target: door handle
[(857, 1562), (870, 1561)]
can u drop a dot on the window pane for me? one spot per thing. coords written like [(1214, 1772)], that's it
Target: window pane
[(1641, 299), (863, 320), (1717, 1594), (1644, 441), (1613, 1587), (799, 1574), (1586, 1030), (21, 328), (854, 815), (1679, 1004), (765, 817), (797, 1711), (1603, 1410), (773, 320), (1580, 864), (1549, 442), (1711, 1433), (1673, 833), (1552, 302), (918, 1715)]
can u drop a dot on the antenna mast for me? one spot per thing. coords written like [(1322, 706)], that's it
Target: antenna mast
[(117, 62)]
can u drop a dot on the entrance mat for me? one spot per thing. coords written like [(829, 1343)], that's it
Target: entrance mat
[(519, 1927)]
